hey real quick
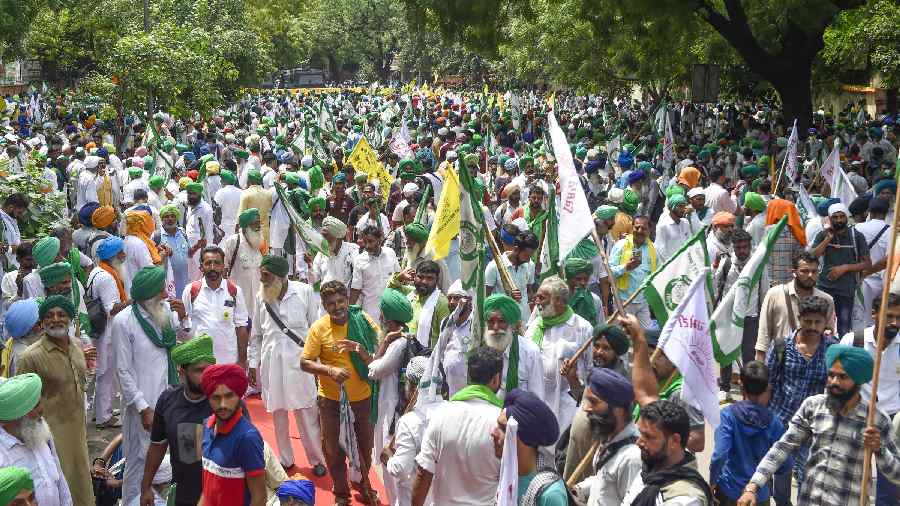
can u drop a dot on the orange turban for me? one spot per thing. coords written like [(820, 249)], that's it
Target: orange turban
[(723, 218), (140, 224), (778, 208), (689, 176), (103, 216)]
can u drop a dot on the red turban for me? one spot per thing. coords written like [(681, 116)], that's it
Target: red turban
[(230, 375)]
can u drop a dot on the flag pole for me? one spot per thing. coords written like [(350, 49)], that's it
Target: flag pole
[(588, 457), (882, 316), (505, 277)]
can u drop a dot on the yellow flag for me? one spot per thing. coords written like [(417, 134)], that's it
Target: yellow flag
[(501, 103), (446, 218), (364, 159), (551, 101), (485, 89)]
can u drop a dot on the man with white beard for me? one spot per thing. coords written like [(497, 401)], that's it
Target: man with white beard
[(339, 264), (143, 337), (26, 442), (416, 236), (286, 310), (106, 285), (60, 363), (558, 332), (522, 365), (243, 256)]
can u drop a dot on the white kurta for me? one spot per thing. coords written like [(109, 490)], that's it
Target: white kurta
[(531, 369), (401, 467), (454, 357), (339, 266), (279, 223), (371, 276), (245, 271), (12, 237), (228, 199), (385, 370), (670, 235), (560, 343), (137, 256), (198, 225), (284, 385)]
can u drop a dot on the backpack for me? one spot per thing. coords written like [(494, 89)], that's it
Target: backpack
[(544, 478), (196, 285), (95, 311)]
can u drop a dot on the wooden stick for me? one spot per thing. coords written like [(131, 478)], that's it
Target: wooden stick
[(612, 284), (584, 346), (882, 316), (585, 462), (505, 277)]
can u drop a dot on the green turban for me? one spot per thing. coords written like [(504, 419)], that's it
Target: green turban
[(525, 159), (316, 203), (407, 166), (576, 266), (227, 176), (751, 170), (170, 209), (45, 251), (395, 306), (340, 177), (416, 231), (53, 274), (14, 480), (18, 396), (242, 154), (856, 361), (630, 201), (248, 216), (606, 212), (334, 227), (294, 178), (135, 172), (674, 189), (674, 201), (507, 306), (60, 301), (276, 265), (754, 201), (254, 176), (316, 178), (156, 182), (194, 188), (764, 162), (198, 349), (181, 148), (148, 283), (615, 336)]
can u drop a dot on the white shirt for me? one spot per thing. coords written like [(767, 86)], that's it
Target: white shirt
[(869, 229), (86, 190), (103, 286), (670, 236), (888, 375), (531, 369), (385, 370), (453, 359), (609, 486), (371, 276), (284, 384), (137, 256), (522, 275), (215, 312), (401, 466), (279, 222), (458, 450), (50, 486), (141, 366), (339, 266), (11, 236), (195, 214), (228, 198), (718, 199)]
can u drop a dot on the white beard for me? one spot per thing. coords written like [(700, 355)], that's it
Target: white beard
[(271, 293), (159, 312), (412, 255), (499, 341), (34, 433), (546, 311), (58, 333), (254, 238), (119, 267)]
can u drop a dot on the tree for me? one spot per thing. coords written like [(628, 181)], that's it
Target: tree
[(778, 40), (866, 39)]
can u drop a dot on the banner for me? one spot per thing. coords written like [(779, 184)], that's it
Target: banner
[(365, 160), (668, 151), (791, 156), (471, 245), (685, 340), (446, 218), (508, 488), (837, 179), (727, 325), (665, 288), (575, 220)]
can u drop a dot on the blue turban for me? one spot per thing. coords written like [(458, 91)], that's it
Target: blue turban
[(626, 160), (340, 177), (856, 361), (592, 166), (204, 150), (302, 490), (103, 153), (822, 207), (537, 422), (426, 157), (110, 247), (20, 317), (610, 386), (84, 215), (635, 176), (189, 156), (883, 185)]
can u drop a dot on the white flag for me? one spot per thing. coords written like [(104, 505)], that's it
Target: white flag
[(508, 488), (400, 147), (575, 221), (791, 157), (686, 342), (668, 151), (837, 178)]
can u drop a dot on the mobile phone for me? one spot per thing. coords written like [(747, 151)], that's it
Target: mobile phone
[(637, 255)]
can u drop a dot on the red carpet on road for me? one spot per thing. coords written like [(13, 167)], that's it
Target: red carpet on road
[(263, 422)]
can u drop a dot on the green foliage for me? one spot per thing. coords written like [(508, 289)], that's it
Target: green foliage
[(866, 39), (45, 210)]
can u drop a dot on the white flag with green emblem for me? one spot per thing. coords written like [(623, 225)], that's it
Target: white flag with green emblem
[(665, 288), (727, 322)]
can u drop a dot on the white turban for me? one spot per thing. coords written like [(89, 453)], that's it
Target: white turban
[(616, 195), (409, 189), (838, 208), (306, 161), (457, 289), (91, 162), (695, 192)]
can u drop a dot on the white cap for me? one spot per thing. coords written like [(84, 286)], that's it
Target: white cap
[(457, 289), (91, 161), (307, 161), (695, 192), (409, 189)]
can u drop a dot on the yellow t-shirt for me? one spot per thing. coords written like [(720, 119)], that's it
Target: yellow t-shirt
[(321, 345)]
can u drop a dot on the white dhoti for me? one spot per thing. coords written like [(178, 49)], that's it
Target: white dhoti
[(135, 442), (106, 380)]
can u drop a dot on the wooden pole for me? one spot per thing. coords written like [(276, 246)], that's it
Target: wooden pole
[(585, 462), (505, 278), (882, 316)]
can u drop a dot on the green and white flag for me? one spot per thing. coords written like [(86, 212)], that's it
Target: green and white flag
[(308, 234), (472, 245), (727, 322), (665, 288)]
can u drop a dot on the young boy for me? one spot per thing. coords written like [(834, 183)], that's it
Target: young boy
[(746, 432)]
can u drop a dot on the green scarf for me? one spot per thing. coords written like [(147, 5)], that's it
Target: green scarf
[(167, 340), (359, 331), (545, 323), (512, 371), (477, 392), (582, 303), (535, 225), (664, 394), (74, 259)]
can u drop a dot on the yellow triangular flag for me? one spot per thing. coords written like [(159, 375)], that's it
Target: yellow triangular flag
[(446, 218)]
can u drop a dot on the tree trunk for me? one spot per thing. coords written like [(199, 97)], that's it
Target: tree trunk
[(795, 91)]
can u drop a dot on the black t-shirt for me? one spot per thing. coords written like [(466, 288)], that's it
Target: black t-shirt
[(844, 249), (179, 421)]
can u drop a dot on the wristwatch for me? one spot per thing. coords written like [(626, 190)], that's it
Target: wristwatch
[(750, 488)]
